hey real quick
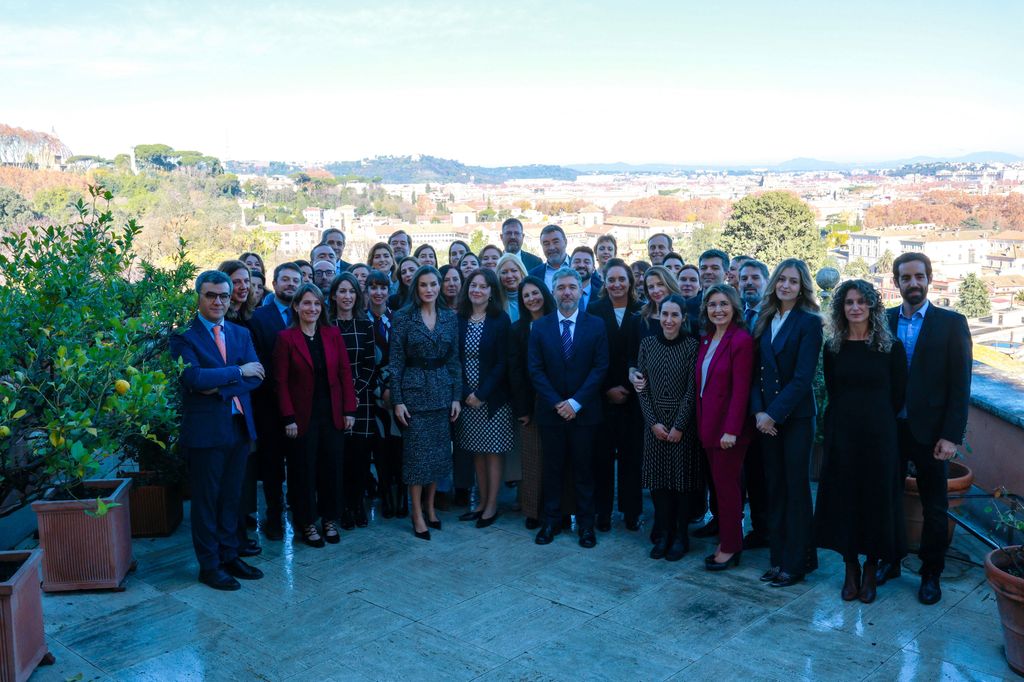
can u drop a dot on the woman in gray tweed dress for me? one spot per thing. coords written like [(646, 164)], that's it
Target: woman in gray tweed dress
[(426, 383)]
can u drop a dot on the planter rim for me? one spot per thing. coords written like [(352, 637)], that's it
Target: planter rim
[(30, 559), (961, 482), (118, 486)]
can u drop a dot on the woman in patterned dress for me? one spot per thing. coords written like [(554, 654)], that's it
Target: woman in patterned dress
[(426, 383), (485, 425), (387, 442), (673, 464), (346, 310)]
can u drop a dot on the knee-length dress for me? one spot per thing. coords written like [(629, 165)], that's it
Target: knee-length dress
[(475, 431), (426, 377), (670, 399), (859, 506)]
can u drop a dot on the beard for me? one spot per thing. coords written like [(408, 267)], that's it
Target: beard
[(914, 295), (567, 307)]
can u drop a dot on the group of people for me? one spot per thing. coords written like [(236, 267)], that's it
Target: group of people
[(585, 380)]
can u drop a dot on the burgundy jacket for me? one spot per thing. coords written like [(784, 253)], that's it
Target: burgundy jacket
[(723, 407), (293, 374)]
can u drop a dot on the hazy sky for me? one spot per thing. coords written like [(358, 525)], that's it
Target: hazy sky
[(499, 83)]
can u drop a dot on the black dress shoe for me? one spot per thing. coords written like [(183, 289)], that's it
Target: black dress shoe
[(587, 538), (604, 522), (771, 574), (632, 522), (754, 540), (241, 570), (930, 592), (359, 514), (784, 579), (483, 523), (250, 548), (532, 524), (678, 548), (546, 534), (715, 566), (273, 531), (471, 515), (887, 571), (218, 579), (708, 530), (661, 546), (436, 525), (346, 521)]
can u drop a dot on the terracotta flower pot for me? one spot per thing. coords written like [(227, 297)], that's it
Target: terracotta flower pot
[(960, 480), (22, 643), (82, 552), (1009, 591), (156, 510)]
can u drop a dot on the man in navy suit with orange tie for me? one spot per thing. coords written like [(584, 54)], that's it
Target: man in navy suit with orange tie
[(217, 428)]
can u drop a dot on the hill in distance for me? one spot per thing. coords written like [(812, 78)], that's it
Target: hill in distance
[(422, 168)]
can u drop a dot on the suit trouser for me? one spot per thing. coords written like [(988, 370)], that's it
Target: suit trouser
[(317, 471), (573, 443), (755, 487), (619, 435), (356, 470), (271, 457), (247, 500), (215, 477), (787, 461), (932, 475), (727, 471)]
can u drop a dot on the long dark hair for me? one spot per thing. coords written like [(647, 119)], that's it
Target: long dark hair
[(495, 304), (444, 270), (304, 289), (619, 263), (403, 290), (549, 300), (879, 335), (358, 310)]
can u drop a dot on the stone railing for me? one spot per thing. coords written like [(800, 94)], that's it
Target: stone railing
[(995, 430)]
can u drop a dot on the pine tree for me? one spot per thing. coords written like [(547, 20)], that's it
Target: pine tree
[(974, 301)]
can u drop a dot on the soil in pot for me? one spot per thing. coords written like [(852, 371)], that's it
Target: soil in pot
[(9, 568), (79, 492)]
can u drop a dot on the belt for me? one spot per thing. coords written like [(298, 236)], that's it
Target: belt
[(426, 363)]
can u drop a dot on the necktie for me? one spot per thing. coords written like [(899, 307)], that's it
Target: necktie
[(566, 339), (219, 340), (749, 314), (287, 315)]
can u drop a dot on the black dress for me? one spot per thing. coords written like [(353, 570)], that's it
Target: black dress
[(860, 495)]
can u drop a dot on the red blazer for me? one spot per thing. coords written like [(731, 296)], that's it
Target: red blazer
[(293, 373), (723, 407)]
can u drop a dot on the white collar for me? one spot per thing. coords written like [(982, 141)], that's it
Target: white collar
[(571, 318)]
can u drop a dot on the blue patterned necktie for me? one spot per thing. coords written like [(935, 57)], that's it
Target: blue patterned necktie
[(566, 339), (750, 314)]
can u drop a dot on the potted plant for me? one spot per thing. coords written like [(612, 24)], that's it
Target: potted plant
[(155, 497), (1004, 570), (22, 641)]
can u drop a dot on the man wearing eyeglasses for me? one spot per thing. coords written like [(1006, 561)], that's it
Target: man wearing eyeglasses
[(512, 237), (217, 427)]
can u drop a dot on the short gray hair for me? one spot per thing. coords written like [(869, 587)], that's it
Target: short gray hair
[(213, 277), (566, 272)]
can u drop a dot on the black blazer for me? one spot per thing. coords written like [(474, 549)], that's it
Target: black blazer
[(529, 260), (618, 340), (939, 383), (784, 369), (595, 291), (494, 344), (520, 387), (580, 377), (265, 324)]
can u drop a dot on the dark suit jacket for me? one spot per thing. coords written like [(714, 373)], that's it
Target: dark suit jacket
[(723, 406), (521, 388), (293, 374), (618, 343), (580, 377), (529, 260), (265, 324), (206, 418), (785, 368), (939, 383), (494, 344), (538, 270), (595, 291)]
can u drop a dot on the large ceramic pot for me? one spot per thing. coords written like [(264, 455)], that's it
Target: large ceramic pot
[(84, 552), (960, 480), (22, 642), (1009, 591), (156, 509)]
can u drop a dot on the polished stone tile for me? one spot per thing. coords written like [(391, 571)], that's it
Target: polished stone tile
[(65, 609), (69, 666), (967, 638), (420, 652), (907, 666), (507, 621)]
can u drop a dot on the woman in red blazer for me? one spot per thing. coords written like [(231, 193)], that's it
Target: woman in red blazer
[(318, 404), (725, 364)]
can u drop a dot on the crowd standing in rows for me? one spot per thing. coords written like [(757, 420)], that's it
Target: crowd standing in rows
[(574, 377)]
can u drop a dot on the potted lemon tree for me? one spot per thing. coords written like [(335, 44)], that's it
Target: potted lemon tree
[(1004, 570)]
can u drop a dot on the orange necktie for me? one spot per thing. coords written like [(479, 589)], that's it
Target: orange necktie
[(219, 340)]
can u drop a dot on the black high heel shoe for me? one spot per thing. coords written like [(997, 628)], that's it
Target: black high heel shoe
[(732, 562), (422, 535), (436, 525), (483, 523)]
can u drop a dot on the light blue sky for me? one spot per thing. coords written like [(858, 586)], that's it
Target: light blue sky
[(525, 82)]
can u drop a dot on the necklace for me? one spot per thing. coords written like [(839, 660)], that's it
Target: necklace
[(477, 318)]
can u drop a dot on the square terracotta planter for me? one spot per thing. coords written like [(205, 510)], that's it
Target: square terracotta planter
[(22, 642), (82, 552), (156, 510)]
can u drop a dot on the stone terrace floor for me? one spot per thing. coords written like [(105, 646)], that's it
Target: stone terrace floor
[(491, 605)]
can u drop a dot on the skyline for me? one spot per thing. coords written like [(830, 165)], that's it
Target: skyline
[(518, 84)]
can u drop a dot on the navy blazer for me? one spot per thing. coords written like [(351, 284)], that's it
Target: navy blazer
[(265, 324), (784, 372), (529, 260), (939, 382), (206, 418), (581, 377), (618, 340), (494, 353)]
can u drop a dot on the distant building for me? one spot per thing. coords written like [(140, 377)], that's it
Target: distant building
[(462, 215)]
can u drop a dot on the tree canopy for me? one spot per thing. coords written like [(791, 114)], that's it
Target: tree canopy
[(974, 300), (773, 226)]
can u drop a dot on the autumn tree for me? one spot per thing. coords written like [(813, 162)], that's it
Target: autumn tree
[(773, 226), (974, 300)]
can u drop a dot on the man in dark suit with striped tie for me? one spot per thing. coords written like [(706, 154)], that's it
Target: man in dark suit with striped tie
[(753, 278)]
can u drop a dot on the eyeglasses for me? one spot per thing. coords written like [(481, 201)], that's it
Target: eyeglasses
[(210, 296)]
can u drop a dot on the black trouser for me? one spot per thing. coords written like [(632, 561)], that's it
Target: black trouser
[(247, 501), (387, 457), (463, 468), (356, 470), (215, 477), (932, 475), (317, 471), (755, 488), (671, 512), (618, 437), (574, 443), (787, 458), (270, 452)]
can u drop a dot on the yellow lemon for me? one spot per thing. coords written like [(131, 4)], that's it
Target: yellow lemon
[(5, 431), (121, 386)]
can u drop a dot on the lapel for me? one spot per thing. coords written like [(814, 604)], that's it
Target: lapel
[(787, 327), (299, 341), (330, 359), (723, 348), (206, 339), (893, 315)]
